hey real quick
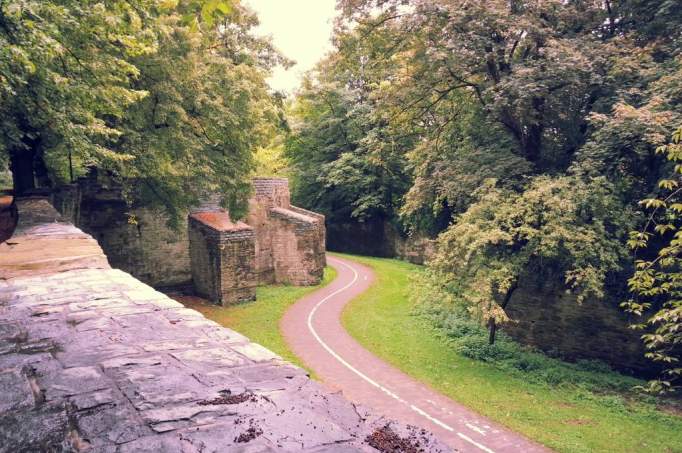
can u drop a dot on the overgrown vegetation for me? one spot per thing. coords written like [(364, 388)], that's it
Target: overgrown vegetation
[(581, 407), (470, 339), (657, 282), (514, 132)]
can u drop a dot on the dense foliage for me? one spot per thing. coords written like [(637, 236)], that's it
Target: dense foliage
[(348, 162), (167, 96), (515, 132), (657, 282)]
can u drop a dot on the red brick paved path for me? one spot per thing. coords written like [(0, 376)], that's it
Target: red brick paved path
[(313, 329)]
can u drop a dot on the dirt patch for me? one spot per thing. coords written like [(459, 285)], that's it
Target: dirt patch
[(387, 441), (226, 397), (189, 300), (251, 433), (578, 422), (566, 405), (672, 408)]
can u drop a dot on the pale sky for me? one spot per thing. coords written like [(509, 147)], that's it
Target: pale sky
[(301, 29)]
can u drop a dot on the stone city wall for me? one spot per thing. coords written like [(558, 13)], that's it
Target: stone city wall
[(547, 317), (137, 240), (140, 241), (92, 359)]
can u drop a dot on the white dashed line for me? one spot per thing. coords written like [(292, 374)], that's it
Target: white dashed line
[(372, 381), (473, 442), (475, 428)]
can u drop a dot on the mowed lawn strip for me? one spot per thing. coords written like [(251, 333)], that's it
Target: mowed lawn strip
[(565, 418), (259, 320)]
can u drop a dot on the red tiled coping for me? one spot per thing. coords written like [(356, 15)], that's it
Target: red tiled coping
[(219, 220)]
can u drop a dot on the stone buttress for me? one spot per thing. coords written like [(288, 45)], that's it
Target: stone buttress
[(222, 255), (277, 243)]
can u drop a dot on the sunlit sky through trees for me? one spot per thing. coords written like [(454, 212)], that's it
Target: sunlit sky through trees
[(301, 29)]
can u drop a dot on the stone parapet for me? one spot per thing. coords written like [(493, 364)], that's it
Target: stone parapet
[(315, 215), (93, 360), (43, 243)]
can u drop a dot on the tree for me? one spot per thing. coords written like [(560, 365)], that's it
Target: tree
[(207, 110), (566, 223), (535, 68), (657, 281), (168, 97), (347, 162), (523, 132), (65, 73)]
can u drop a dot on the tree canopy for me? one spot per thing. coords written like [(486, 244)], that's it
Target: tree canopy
[(514, 132), (167, 96)]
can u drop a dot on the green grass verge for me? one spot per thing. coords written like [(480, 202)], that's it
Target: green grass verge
[(566, 417), (259, 320)]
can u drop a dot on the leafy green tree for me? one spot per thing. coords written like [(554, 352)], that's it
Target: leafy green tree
[(169, 97), (563, 104), (523, 132), (657, 281), (533, 67), (347, 162), (449, 165), (566, 223), (65, 76), (207, 110)]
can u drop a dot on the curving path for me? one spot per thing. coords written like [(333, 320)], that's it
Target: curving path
[(312, 328)]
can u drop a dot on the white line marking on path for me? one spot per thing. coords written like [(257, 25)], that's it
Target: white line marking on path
[(470, 440), (370, 380), (475, 428)]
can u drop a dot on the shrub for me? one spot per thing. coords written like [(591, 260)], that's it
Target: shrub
[(470, 339)]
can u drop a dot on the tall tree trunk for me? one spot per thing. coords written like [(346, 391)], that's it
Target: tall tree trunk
[(492, 324), (42, 175), (533, 143), (492, 330), (532, 138)]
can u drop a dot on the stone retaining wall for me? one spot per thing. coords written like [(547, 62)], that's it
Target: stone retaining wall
[(545, 316)]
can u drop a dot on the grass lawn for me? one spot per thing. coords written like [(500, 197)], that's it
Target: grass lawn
[(259, 320), (567, 418)]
